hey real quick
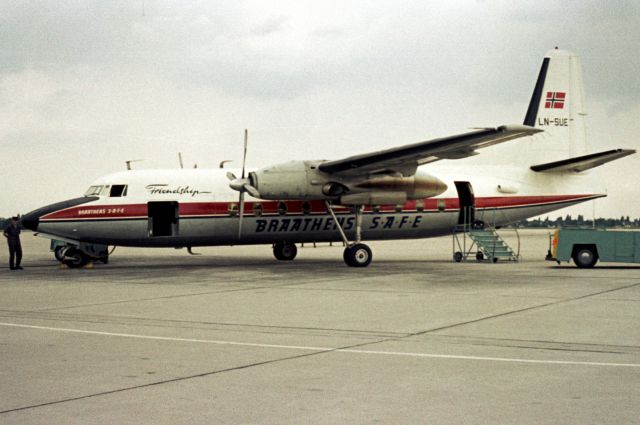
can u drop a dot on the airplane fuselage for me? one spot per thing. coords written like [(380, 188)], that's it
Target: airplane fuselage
[(176, 208)]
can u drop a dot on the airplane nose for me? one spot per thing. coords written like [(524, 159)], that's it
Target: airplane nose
[(30, 221)]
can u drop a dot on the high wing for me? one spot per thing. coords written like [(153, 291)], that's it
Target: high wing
[(405, 159)]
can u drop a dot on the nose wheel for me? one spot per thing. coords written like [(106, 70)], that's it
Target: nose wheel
[(74, 258)]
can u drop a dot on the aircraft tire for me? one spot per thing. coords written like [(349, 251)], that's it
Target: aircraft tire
[(284, 251), (74, 258), (479, 256), (59, 252), (358, 255)]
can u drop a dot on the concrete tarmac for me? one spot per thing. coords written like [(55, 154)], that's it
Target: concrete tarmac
[(233, 336)]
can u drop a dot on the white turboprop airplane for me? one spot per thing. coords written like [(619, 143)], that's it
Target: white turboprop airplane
[(374, 196)]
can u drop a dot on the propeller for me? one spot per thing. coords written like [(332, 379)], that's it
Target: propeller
[(242, 184)]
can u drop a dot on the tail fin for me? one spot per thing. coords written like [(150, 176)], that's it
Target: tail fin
[(557, 107)]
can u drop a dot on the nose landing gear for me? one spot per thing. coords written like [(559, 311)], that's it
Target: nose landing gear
[(78, 256)]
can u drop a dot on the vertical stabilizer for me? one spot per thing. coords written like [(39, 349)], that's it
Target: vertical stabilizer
[(557, 107)]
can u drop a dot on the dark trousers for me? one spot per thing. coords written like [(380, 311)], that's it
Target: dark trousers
[(15, 254)]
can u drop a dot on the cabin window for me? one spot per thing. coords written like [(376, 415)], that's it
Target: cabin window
[(233, 209), (420, 206), (257, 209), (282, 208), (399, 207), (306, 208), (118, 190), (376, 208), (441, 205), (93, 191)]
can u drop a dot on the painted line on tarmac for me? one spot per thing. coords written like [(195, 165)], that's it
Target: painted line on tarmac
[(327, 349)]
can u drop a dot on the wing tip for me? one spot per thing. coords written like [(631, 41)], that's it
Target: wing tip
[(519, 128)]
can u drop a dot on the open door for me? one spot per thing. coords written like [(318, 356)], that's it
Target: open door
[(467, 203), (163, 219)]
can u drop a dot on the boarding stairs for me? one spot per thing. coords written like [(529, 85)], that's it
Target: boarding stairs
[(494, 248), (481, 241)]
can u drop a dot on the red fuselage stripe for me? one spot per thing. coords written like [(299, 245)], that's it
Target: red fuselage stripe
[(204, 209)]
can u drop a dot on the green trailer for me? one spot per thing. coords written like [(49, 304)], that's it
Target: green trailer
[(587, 246)]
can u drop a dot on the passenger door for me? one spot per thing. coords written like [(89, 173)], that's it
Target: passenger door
[(163, 218)]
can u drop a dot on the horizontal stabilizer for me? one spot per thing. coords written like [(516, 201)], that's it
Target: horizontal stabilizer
[(582, 163)]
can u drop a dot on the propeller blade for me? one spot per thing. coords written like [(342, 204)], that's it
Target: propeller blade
[(241, 214), (242, 185), (244, 157), (252, 190)]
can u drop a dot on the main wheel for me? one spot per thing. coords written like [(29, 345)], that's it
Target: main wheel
[(457, 257), (585, 257), (358, 255), (285, 251), (479, 256), (74, 258)]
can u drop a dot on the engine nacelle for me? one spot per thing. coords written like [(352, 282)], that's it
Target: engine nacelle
[(304, 181), (292, 180), (419, 186)]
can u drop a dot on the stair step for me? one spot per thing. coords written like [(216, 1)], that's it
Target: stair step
[(489, 242)]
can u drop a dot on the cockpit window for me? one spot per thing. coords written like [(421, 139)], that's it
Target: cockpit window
[(118, 190), (93, 191)]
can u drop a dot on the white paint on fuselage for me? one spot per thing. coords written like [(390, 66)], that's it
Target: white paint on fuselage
[(213, 185), (221, 228)]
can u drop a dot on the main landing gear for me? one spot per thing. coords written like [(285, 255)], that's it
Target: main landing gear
[(356, 254), (284, 251)]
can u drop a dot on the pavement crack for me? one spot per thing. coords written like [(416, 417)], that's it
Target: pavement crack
[(535, 307), (185, 378)]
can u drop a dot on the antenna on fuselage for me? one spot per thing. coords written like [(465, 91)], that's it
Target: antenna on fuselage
[(180, 160), (130, 161), (224, 162)]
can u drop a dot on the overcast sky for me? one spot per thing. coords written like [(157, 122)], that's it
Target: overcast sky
[(87, 85)]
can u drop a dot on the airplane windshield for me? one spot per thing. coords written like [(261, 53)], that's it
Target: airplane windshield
[(93, 191)]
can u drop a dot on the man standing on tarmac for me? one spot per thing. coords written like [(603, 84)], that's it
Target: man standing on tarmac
[(12, 233)]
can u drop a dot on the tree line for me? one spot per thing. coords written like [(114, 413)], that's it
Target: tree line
[(579, 221)]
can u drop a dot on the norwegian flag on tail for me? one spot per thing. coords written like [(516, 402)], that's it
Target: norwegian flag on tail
[(555, 100)]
